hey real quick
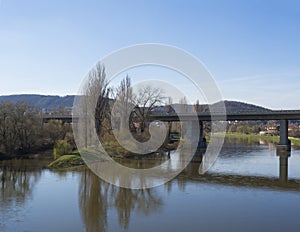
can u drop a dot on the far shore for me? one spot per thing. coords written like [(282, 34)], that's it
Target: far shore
[(74, 159), (274, 139)]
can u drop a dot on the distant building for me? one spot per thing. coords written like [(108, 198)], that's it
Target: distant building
[(271, 130)]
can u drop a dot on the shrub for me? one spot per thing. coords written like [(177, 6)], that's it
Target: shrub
[(61, 147)]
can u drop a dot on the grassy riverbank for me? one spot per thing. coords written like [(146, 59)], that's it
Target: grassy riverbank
[(273, 139), (67, 161), (74, 159)]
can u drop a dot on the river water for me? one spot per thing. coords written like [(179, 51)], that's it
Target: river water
[(241, 192)]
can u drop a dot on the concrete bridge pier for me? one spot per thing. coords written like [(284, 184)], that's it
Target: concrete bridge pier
[(202, 141), (283, 151), (195, 137)]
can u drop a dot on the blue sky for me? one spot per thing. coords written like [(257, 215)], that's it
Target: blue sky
[(252, 48)]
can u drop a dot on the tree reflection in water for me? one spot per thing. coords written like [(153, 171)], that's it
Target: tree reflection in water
[(18, 178), (96, 197), (93, 201)]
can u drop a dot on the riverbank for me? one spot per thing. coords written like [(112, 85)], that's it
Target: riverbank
[(74, 159), (116, 152), (46, 154), (273, 139)]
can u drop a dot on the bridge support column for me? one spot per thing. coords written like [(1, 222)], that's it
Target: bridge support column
[(195, 134), (192, 132), (283, 151), (202, 140), (284, 140)]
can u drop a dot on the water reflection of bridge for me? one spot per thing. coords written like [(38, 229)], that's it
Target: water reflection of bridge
[(96, 197), (235, 180)]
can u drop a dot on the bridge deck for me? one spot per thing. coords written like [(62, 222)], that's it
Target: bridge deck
[(243, 116)]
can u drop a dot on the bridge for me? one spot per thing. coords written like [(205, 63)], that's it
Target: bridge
[(243, 116), (63, 118), (283, 148), (282, 115)]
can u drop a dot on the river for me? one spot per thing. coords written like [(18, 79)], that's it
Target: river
[(241, 192)]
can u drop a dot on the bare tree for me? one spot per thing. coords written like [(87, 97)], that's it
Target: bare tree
[(97, 95), (197, 107), (28, 125), (55, 130), (169, 107), (7, 128), (20, 127), (147, 99), (124, 101), (183, 106)]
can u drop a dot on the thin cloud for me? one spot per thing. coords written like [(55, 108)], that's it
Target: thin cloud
[(263, 89), (261, 77), (245, 78)]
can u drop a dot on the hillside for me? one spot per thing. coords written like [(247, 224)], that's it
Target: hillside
[(46, 102), (231, 107), (239, 107), (49, 102)]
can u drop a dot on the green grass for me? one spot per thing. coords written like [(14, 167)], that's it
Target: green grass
[(67, 161), (295, 141), (274, 139)]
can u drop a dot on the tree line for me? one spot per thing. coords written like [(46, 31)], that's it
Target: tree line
[(22, 130)]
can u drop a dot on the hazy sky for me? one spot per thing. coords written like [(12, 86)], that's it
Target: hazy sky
[(252, 48)]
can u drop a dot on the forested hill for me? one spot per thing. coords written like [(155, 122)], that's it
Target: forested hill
[(231, 107), (239, 107), (42, 101), (49, 102)]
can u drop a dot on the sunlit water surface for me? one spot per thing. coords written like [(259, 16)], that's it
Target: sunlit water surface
[(241, 192)]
